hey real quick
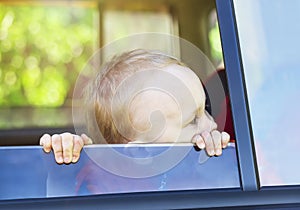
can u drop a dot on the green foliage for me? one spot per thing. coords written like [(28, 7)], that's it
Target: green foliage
[(215, 43), (42, 50)]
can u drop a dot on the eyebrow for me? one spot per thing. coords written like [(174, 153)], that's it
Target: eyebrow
[(200, 109)]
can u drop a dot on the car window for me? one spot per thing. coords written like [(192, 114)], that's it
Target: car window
[(269, 39), (42, 55), (103, 169)]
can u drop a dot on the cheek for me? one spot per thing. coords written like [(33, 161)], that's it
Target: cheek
[(179, 135), (156, 122), (170, 135)]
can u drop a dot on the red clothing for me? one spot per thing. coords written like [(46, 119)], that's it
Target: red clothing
[(222, 108)]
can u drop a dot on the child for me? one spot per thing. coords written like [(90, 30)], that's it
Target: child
[(142, 97)]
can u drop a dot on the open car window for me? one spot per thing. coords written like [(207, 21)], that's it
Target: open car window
[(39, 63)]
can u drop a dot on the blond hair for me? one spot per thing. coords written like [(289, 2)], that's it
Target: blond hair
[(102, 88)]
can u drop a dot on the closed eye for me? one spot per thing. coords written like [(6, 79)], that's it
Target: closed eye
[(194, 121)]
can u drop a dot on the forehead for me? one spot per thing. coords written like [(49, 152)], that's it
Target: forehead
[(187, 80), (186, 75), (179, 80), (171, 86)]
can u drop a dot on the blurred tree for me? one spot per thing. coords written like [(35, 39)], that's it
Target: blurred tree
[(215, 39), (215, 43), (42, 50)]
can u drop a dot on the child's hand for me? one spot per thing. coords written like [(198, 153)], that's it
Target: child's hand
[(213, 141), (66, 146)]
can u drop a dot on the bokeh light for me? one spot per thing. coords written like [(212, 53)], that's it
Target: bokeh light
[(42, 49)]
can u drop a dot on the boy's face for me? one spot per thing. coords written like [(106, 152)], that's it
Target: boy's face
[(159, 115)]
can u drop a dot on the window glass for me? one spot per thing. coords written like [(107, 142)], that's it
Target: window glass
[(120, 23), (269, 39), (41, 177)]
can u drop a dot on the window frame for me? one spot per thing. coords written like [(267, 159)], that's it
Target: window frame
[(250, 196), (238, 95)]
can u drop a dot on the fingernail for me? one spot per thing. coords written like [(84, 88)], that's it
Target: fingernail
[(211, 152), (195, 138), (218, 151), (75, 159), (47, 150), (59, 160), (201, 145), (66, 160)]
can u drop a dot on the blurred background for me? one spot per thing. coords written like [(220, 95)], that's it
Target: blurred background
[(45, 44)]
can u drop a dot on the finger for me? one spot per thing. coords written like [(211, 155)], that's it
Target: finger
[(45, 141), (57, 148), (78, 144), (216, 137), (86, 140), (67, 147), (209, 145), (199, 141), (225, 139)]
